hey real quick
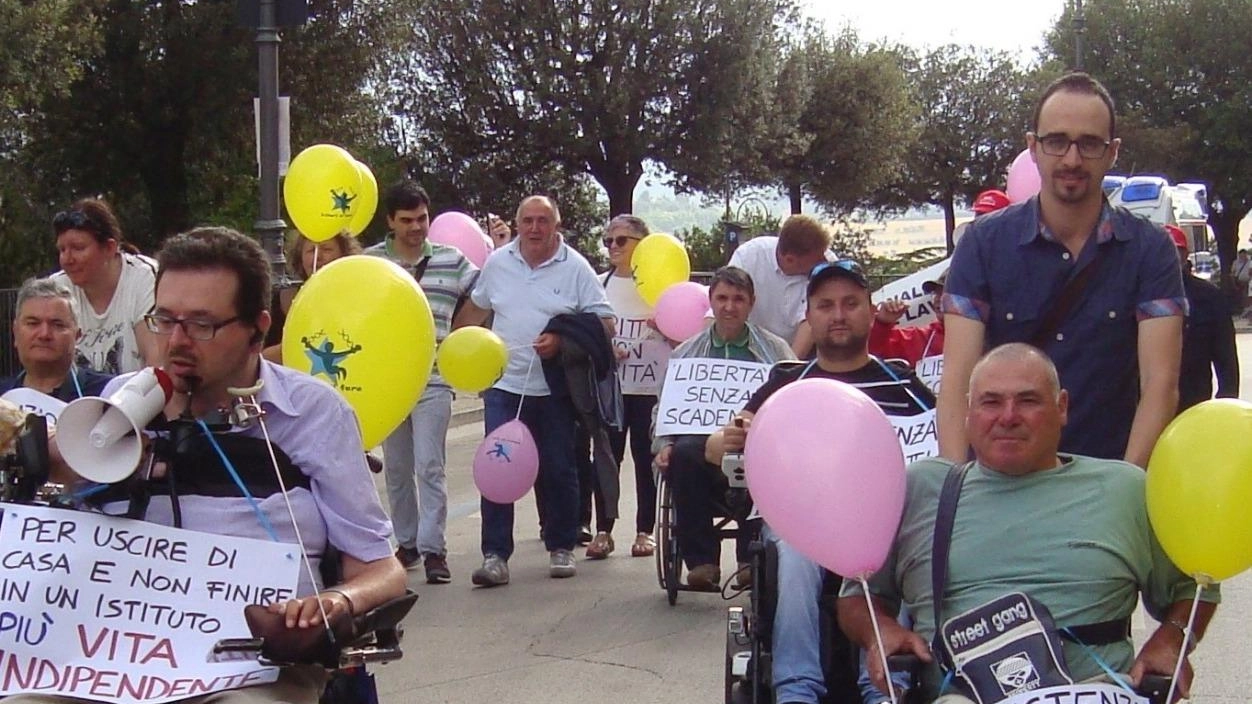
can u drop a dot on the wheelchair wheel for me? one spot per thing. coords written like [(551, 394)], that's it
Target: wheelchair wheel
[(668, 557)]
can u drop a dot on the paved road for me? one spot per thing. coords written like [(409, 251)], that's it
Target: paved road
[(608, 635)]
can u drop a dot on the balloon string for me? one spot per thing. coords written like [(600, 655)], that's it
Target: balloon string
[(1186, 640), (315, 253), (522, 398), (291, 513), (882, 652)]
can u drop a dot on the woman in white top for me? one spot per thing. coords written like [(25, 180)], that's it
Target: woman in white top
[(112, 285), (642, 353)]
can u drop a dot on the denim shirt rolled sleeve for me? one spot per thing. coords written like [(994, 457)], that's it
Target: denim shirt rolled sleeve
[(967, 292), (1007, 272), (1160, 282)]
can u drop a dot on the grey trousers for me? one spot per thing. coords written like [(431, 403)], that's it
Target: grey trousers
[(414, 455)]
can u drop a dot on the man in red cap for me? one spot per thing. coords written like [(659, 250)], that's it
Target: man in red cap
[(1208, 337), (990, 201)]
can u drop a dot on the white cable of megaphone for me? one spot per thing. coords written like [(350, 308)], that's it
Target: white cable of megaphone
[(99, 438)]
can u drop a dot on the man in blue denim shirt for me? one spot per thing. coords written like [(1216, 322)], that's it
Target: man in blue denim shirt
[(1118, 347)]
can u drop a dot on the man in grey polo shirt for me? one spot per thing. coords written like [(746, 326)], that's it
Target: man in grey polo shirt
[(526, 283), (415, 453)]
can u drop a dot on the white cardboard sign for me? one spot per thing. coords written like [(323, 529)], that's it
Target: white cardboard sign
[(647, 353), (917, 435), (701, 395), (1095, 693), (909, 289), (115, 610)]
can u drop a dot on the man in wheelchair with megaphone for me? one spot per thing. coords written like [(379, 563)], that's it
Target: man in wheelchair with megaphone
[(242, 447), (1037, 557)]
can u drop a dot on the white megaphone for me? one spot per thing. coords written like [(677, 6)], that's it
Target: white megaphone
[(99, 438)]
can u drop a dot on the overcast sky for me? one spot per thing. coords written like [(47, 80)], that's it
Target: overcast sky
[(1009, 25)]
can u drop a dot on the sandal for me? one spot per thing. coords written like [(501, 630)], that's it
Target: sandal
[(644, 546), (600, 546)]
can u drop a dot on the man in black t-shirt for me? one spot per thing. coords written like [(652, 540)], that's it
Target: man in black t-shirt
[(840, 314)]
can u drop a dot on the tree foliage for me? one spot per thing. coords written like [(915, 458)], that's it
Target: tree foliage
[(1179, 72), (592, 87), (160, 121), (831, 125), (973, 109)]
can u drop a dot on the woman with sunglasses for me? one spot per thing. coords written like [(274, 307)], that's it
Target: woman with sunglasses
[(112, 285), (304, 256), (638, 346)]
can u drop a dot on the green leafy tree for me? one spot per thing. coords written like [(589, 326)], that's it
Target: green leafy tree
[(1180, 74), (160, 121), (974, 106), (831, 124), (593, 87)]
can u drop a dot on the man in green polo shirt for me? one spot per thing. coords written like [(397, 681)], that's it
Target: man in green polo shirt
[(415, 453), (681, 457)]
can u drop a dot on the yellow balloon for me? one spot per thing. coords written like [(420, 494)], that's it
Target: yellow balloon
[(364, 211), (1199, 486), (659, 261), (322, 191), (472, 359), (363, 325)]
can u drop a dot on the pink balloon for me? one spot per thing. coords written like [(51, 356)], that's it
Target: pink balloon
[(1023, 178), (506, 463), (681, 310), (827, 473), (463, 232)]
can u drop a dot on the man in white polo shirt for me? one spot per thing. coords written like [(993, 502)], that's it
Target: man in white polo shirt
[(526, 283), (779, 267)]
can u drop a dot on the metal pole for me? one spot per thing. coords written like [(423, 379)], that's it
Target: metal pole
[(1080, 24), (269, 226)]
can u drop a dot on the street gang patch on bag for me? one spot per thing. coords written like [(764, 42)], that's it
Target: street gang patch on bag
[(1006, 646)]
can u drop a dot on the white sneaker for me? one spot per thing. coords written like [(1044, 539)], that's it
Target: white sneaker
[(561, 564), (493, 573)]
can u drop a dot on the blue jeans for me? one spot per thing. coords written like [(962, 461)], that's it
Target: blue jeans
[(797, 633), (901, 680), (551, 422)]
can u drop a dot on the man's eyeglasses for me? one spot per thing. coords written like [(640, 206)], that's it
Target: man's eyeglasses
[(620, 241), (72, 220), (195, 329), (1089, 147)]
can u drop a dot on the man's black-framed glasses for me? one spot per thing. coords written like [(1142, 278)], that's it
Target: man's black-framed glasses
[(1089, 146), (192, 327)]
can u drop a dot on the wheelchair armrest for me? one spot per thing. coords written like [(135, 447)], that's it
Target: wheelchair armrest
[(1155, 688), (369, 637)]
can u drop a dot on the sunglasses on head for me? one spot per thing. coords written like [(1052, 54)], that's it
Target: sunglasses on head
[(72, 220), (620, 240), (849, 265)]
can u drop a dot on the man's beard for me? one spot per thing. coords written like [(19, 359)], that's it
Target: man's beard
[(854, 346)]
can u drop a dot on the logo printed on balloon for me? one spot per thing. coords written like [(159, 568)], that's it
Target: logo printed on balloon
[(326, 360), (351, 325), (341, 201), (506, 463)]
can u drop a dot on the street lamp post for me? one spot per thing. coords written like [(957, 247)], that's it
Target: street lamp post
[(269, 225), (1080, 24)]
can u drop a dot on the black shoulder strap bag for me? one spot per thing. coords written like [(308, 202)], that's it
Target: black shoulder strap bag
[(1065, 301), (1008, 645)]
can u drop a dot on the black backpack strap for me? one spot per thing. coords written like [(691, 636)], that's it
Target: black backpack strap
[(1102, 633), (945, 517), (1063, 304)]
